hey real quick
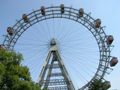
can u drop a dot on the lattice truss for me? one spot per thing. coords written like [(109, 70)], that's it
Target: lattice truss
[(59, 79)]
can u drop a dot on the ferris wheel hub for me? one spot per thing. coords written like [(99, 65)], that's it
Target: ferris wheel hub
[(53, 42)]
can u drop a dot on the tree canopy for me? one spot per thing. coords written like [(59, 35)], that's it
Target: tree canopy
[(14, 76), (99, 85)]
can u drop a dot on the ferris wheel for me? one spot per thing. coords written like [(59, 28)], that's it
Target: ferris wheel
[(64, 48)]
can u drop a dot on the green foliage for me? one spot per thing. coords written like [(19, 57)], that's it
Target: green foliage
[(25, 85), (14, 76), (99, 85)]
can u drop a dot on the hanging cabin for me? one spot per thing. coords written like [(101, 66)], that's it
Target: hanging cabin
[(42, 10), (97, 23), (10, 31), (62, 8), (25, 18), (109, 40), (81, 12), (113, 61)]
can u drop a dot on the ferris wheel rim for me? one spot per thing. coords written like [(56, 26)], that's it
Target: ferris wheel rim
[(71, 14)]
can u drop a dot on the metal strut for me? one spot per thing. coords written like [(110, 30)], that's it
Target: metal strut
[(54, 75)]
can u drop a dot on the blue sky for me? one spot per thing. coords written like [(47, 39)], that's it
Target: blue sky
[(106, 10)]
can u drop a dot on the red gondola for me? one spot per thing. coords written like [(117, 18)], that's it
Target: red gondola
[(113, 61)]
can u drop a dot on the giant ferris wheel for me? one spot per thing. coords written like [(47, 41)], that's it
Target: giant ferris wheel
[(64, 48)]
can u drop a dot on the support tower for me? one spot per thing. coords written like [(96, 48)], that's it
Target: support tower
[(54, 75)]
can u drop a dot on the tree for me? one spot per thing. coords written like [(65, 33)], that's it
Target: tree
[(14, 76), (99, 85)]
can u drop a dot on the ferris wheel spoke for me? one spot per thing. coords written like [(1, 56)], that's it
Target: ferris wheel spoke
[(32, 39), (29, 59), (61, 28), (44, 31), (58, 28), (81, 77), (80, 61), (34, 71), (67, 33), (83, 62), (84, 57), (33, 50), (79, 51), (54, 29), (78, 40), (32, 44), (67, 30), (30, 49), (57, 23), (90, 67), (48, 29), (41, 31), (69, 37), (63, 34)]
